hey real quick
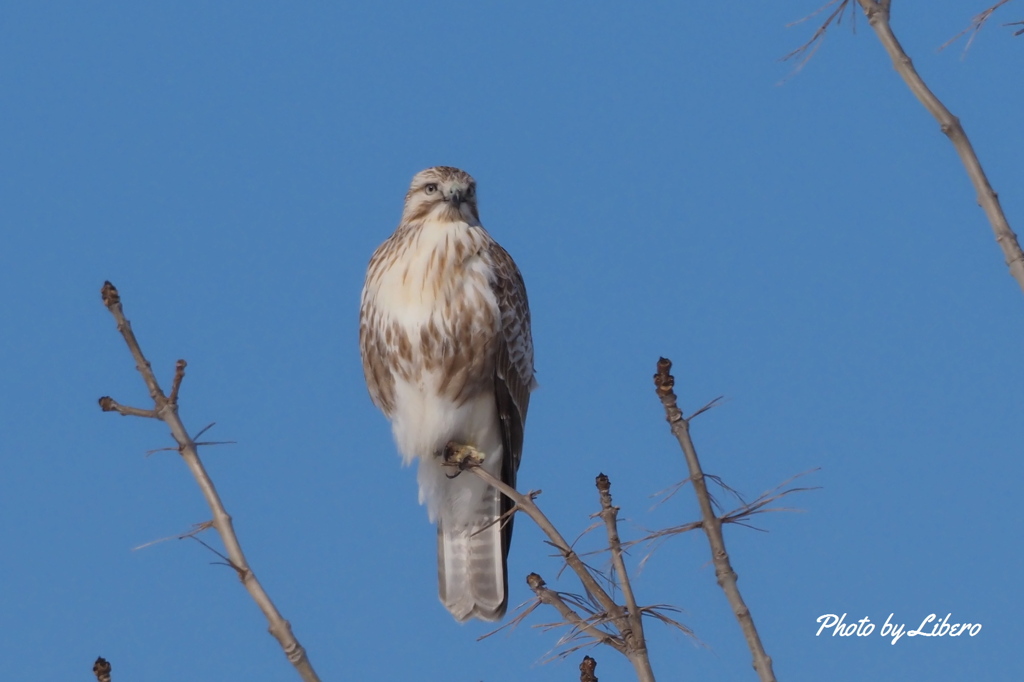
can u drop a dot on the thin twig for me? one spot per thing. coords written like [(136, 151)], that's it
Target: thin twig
[(630, 641), (877, 12), (108, 404), (166, 409), (760, 505), (179, 374), (807, 50), (976, 23), (523, 610), (635, 635), (657, 610), (196, 529), (714, 403), (526, 504), (710, 523), (555, 600)]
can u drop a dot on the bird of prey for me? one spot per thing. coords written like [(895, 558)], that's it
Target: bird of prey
[(444, 333)]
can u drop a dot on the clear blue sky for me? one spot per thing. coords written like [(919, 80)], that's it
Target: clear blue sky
[(806, 245)]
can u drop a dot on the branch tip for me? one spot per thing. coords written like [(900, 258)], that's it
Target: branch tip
[(109, 294), (987, 199), (179, 374), (279, 628), (101, 668), (587, 668), (663, 381), (108, 404), (710, 523)]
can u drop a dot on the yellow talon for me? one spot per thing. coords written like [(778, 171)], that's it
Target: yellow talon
[(461, 455)]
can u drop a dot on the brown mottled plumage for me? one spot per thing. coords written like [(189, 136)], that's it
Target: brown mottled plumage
[(444, 332)]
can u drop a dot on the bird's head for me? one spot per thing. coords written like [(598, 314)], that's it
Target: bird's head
[(442, 193)]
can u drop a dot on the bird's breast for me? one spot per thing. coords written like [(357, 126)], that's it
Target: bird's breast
[(439, 315)]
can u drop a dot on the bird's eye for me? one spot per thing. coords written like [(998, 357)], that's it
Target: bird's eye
[(471, 190), (431, 188)]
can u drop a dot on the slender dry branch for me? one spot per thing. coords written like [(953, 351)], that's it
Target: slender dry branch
[(807, 50), (739, 515), (877, 12), (609, 514), (760, 505), (586, 626), (587, 668), (108, 404), (179, 374), (710, 523), (101, 669), (526, 504), (977, 22), (630, 640), (166, 409)]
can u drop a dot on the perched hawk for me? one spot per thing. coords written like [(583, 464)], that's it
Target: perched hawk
[(444, 332)]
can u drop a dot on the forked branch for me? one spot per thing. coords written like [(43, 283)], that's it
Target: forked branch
[(878, 15), (977, 22), (166, 409), (807, 50), (710, 523), (610, 515), (604, 621)]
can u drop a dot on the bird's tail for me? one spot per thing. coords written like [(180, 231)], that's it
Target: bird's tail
[(472, 575)]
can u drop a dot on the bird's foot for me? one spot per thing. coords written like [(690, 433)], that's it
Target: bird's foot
[(461, 457)]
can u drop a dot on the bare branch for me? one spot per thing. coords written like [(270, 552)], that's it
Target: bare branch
[(555, 599), (204, 429), (524, 609), (179, 374), (526, 504), (714, 403), (657, 611), (601, 607), (760, 505), (737, 516), (166, 409), (710, 523), (108, 404), (976, 23), (609, 514), (196, 529), (665, 532), (807, 50), (878, 18)]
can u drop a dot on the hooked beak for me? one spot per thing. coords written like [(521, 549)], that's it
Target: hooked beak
[(456, 197)]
